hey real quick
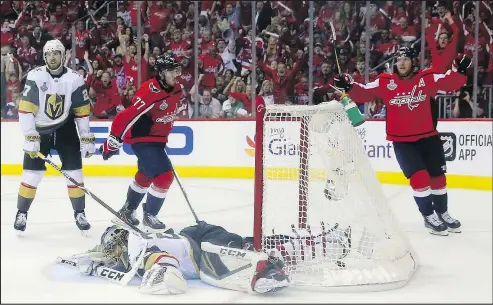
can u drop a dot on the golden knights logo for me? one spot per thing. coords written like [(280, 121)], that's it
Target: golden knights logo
[(54, 106)]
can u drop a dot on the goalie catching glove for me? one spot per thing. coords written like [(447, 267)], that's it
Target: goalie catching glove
[(32, 144), (111, 146)]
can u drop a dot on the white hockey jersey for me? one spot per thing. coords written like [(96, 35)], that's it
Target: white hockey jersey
[(53, 98), (173, 244)]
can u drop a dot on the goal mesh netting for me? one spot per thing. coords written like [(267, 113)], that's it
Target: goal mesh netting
[(319, 202)]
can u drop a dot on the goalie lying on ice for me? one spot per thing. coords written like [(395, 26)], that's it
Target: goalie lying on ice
[(203, 251)]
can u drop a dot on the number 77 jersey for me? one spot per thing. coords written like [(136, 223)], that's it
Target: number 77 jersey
[(151, 116)]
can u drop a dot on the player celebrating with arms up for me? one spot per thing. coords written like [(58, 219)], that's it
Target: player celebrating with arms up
[(411, 126), (146, 125), (53, 103)]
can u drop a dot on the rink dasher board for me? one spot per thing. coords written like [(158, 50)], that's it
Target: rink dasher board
[(226, 149)]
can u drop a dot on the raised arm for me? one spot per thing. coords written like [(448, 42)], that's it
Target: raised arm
[(360, 93)]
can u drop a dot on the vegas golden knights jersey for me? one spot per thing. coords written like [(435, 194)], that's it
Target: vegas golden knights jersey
[(52, 99)]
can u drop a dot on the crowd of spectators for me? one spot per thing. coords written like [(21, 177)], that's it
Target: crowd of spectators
[(107, 53)]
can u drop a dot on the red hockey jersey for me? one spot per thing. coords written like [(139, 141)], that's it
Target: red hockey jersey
[(408, 102), (151, 116)]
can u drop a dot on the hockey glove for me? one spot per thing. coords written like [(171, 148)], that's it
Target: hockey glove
[(111, 146), (462, 63), (343, 82), (32, 144), (87, 147)]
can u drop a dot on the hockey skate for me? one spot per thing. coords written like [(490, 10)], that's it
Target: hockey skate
[(452, 224), (153, 224), (270, 277), (81, 222), (435, 225), (128, 215), (20, 222)]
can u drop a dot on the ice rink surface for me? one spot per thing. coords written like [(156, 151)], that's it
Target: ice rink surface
[(455, 268)]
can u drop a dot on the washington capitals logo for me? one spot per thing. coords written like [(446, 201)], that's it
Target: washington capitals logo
[(408, 99)]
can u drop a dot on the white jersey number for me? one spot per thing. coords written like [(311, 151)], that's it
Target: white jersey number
[(85, 95), (139, 103), (27, 88)]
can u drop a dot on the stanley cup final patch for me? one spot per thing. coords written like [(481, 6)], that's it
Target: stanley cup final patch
[(163, 105), (392, 85)]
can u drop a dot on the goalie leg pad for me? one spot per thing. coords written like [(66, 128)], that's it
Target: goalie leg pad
[(163, 278), (241, 270)]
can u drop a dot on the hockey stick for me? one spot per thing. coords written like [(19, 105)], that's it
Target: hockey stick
[(183, 190), (334, 44), (115, 276), (128, 225)]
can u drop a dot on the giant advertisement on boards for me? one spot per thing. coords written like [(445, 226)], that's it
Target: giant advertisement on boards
[(231, 145)]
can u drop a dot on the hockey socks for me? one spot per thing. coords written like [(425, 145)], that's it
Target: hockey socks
[(420, 183), (77, 198), (25, 197), (27, 189), (76, 195), (439, 193), (137, 190), (157, 192), (154, 201), (135, 194)]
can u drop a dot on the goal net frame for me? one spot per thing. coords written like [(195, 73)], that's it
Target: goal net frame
[(303, 115)]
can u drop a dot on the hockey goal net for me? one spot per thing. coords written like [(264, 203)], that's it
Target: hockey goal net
[(319, 203)]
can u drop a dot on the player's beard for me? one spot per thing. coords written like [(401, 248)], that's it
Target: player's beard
[(54, 65)]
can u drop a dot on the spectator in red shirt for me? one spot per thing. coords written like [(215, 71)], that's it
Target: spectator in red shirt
[(186, 78), (386, 46), (13, 77), (82, 40), (178, 46), (159, 20), (404, 30), (444, 52), (7, 37), (104, 34), (107, 98), (282, 78), (72, 10), (133, 7), (131, 61), (324, 78), (301, 91), (27, 54), (211, 64), (60, 16), (54, 28)]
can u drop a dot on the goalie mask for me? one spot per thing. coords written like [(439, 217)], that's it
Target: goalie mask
[(54, 55), (114, 241)]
